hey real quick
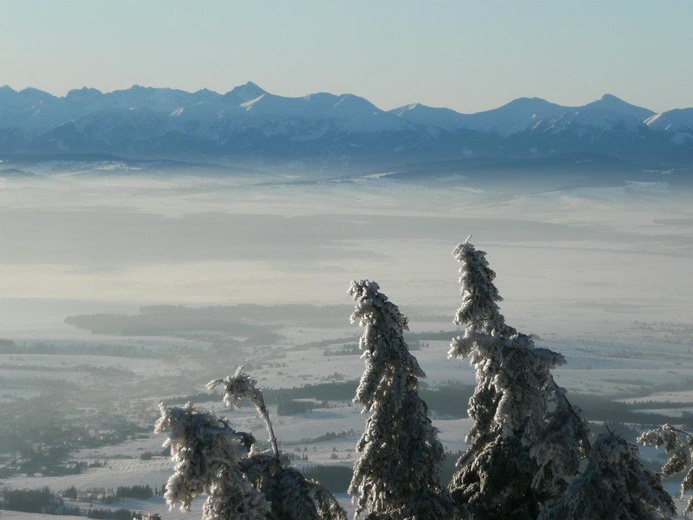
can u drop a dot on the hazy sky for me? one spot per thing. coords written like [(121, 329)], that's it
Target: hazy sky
[(467, 55)]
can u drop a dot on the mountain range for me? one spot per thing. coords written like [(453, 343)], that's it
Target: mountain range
[(249, 125)]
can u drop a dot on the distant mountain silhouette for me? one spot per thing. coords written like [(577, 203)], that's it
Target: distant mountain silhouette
[(252, 126)]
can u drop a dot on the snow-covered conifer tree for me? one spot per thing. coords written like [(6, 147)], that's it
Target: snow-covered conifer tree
[(241, 482), (291, 495), (206, 452), (614, 486), (678, 444), (526, 439), (396, 476)]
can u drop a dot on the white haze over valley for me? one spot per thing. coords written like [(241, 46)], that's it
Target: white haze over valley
[(584, 260)]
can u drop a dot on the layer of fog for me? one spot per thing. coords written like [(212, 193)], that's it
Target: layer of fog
[(579, 260)]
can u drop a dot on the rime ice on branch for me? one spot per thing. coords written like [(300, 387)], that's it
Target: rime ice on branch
[(396, 476), (241, 386), (679, 445)]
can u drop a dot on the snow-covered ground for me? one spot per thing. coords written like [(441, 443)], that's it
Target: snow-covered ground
[(602, 274)]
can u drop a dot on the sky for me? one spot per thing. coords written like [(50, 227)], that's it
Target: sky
[(466, 55)]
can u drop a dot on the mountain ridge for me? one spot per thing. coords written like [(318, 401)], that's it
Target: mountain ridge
[(249, 124)]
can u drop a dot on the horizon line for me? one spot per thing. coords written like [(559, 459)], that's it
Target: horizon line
[(252, 83)]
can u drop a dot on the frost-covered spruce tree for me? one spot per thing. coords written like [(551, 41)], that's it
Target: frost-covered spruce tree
[(396, 476), (526, 439), (207, 452), (240, 481), (679, 444), (614, 486)]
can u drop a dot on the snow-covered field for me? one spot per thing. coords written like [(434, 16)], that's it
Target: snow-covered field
[(600, 274)]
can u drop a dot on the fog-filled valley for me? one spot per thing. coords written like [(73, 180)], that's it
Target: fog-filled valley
[(123, 284)]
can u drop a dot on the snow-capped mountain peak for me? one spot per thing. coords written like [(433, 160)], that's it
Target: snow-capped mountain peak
[(419, 114), (611, 103), (516, 116), (676, 123), (245, 92)]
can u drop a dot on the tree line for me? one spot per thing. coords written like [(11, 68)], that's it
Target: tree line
[(45, 501)]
